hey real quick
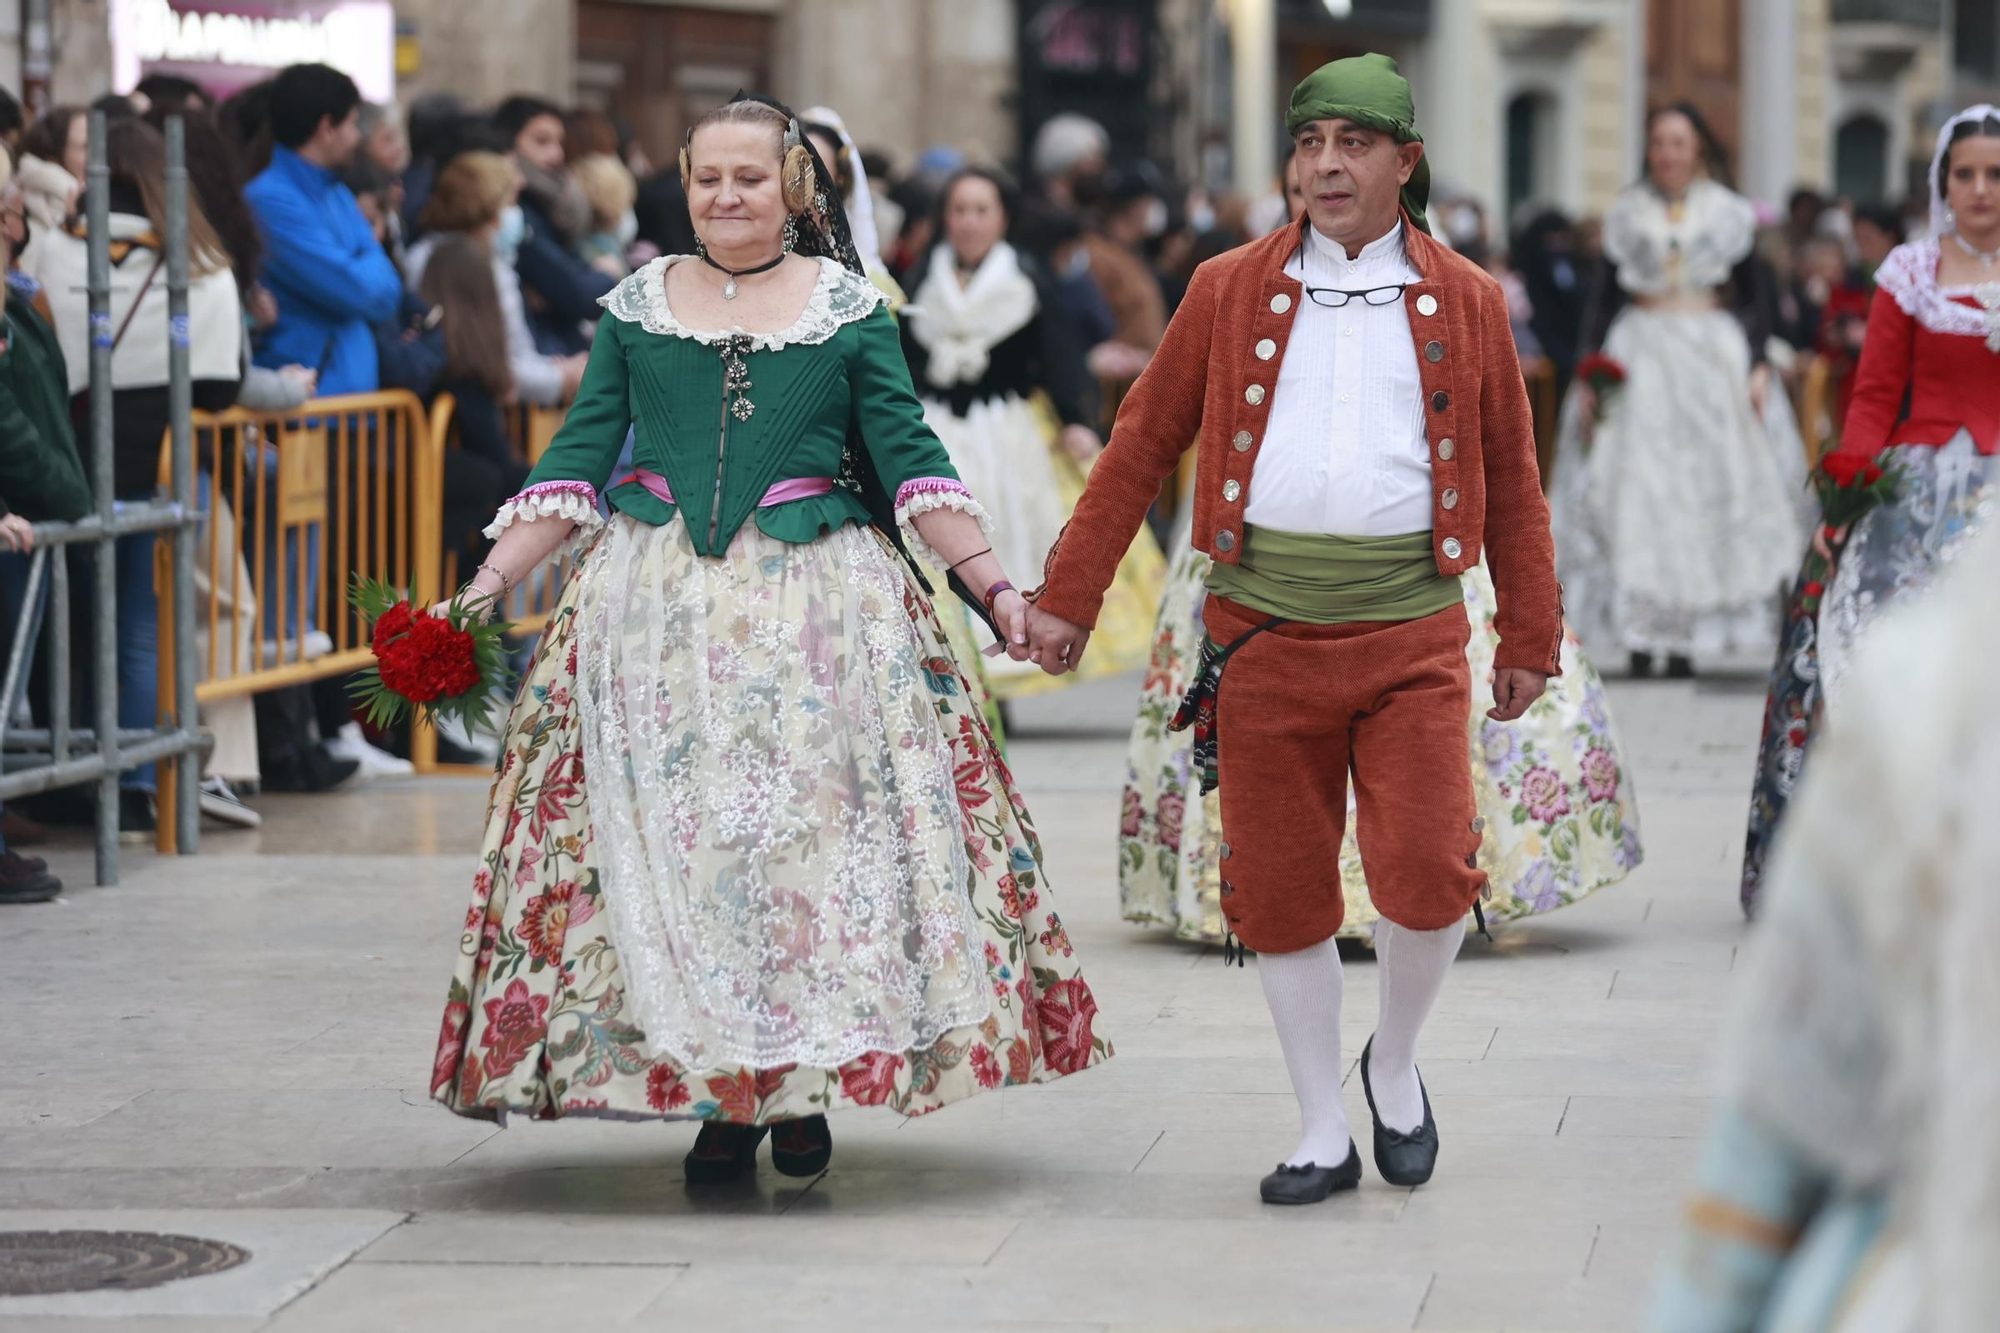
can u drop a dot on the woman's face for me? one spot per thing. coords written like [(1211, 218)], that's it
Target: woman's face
[(1673, 152), (734, 194), (974, 219), (541, 142), (1972, 186), (390, 147), (76, 149)]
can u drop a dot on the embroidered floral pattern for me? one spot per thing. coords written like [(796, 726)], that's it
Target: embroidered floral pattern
[(538, 1020)]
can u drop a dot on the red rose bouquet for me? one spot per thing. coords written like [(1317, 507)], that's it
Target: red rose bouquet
[(449, 666), (1849, 486), (1605, 378)]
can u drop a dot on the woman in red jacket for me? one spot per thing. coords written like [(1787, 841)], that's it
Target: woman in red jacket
[(1933, 340)]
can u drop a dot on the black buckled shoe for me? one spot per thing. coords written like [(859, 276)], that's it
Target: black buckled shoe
[(802, 1147), (1403, 1159), (723, 1151), (1311, 1183)]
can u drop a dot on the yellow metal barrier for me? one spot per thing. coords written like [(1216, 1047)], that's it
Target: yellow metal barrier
[(295, 505), (530, 429), (1540, 374), (1818, 410)]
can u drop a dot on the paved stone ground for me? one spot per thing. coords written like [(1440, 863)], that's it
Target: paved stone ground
[(237, 1046)]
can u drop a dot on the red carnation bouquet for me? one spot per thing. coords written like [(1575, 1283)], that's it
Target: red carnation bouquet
[(1605, 377), (449, 666), (1849, 486)]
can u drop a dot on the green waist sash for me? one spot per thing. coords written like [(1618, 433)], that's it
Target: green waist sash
[(1332, 580)]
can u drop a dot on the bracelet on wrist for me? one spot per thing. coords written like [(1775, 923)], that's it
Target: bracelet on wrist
[(993, 593)]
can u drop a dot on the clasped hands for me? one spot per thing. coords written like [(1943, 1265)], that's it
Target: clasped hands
[(1050, 642)]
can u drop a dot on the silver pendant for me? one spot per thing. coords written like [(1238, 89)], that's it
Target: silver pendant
[(729, 290)]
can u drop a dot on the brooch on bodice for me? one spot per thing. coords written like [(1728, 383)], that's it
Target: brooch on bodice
[(736, 376), (1988, 296)]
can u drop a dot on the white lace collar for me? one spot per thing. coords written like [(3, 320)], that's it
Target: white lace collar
[(839, 298), (1910, 275)]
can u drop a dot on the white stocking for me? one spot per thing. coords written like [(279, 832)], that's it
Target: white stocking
[(1411, 964), (1303, 990)]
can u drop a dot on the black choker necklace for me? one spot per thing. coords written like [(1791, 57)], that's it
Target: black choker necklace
[(729, 288)]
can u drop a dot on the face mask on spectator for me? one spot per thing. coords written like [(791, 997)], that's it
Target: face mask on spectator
[(513, 227), (628, 229)]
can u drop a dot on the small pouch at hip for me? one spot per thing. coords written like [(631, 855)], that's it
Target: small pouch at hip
[(1198, 706)]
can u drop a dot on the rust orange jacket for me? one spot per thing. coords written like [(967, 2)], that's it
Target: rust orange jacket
[(1213, 378)]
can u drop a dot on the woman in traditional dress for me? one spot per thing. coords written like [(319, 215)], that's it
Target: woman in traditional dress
[(751, 855), (1933, 340), (1851, 1181), (1561, 820), (990, 359), (1674, 502)]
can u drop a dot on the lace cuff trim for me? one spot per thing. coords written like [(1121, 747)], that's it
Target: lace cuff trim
[(921, 496), (839, 298), (573, 500)]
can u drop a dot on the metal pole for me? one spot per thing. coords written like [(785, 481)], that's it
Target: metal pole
[(104, 626), (180, 406)]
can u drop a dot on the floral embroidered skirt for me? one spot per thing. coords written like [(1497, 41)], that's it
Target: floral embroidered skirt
[(752, 855), (1561, 818), (1006, 452), (1891, 559)]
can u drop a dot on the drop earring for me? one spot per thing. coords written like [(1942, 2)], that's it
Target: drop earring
[(791, 233)]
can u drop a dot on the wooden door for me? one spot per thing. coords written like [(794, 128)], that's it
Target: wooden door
[(660, 68), (1694, 53)]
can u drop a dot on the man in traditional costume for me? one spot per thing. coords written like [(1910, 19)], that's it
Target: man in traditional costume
[(1366, 434)]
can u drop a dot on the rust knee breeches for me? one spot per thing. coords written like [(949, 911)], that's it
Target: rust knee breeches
[(1300, 706)]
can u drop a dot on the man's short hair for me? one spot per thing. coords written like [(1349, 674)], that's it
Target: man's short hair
[(304, 95), (173, 92)]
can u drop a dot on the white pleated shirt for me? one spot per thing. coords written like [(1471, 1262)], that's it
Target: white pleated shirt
[(1344, 452)]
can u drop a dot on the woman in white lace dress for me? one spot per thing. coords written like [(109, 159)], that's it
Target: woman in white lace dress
[(991, 361), (1675, 503)]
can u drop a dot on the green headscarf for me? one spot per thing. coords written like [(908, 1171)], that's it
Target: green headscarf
[(1370, 91)]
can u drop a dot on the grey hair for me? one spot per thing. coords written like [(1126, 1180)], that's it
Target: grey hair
[(750, 111), (1065, 141)]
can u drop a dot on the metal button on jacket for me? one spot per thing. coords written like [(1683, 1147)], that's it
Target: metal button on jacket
[(1231, 489), (1450, 498), (1427, 304), (1242, 441), (1446, 448), (1266, 349), (1254, 395), (1280, 304), (1225, 540), (1434, 351), (1452, 550), (1440, 401)]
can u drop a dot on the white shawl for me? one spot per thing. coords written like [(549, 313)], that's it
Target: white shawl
[(960, 326)]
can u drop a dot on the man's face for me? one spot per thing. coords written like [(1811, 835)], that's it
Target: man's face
[(1353, 178), (343, 139), (540, 142)]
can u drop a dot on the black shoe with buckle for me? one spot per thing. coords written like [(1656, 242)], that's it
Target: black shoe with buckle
[(802, 1147), (1403, 1159), (1311, 1183), (723, 1151)]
